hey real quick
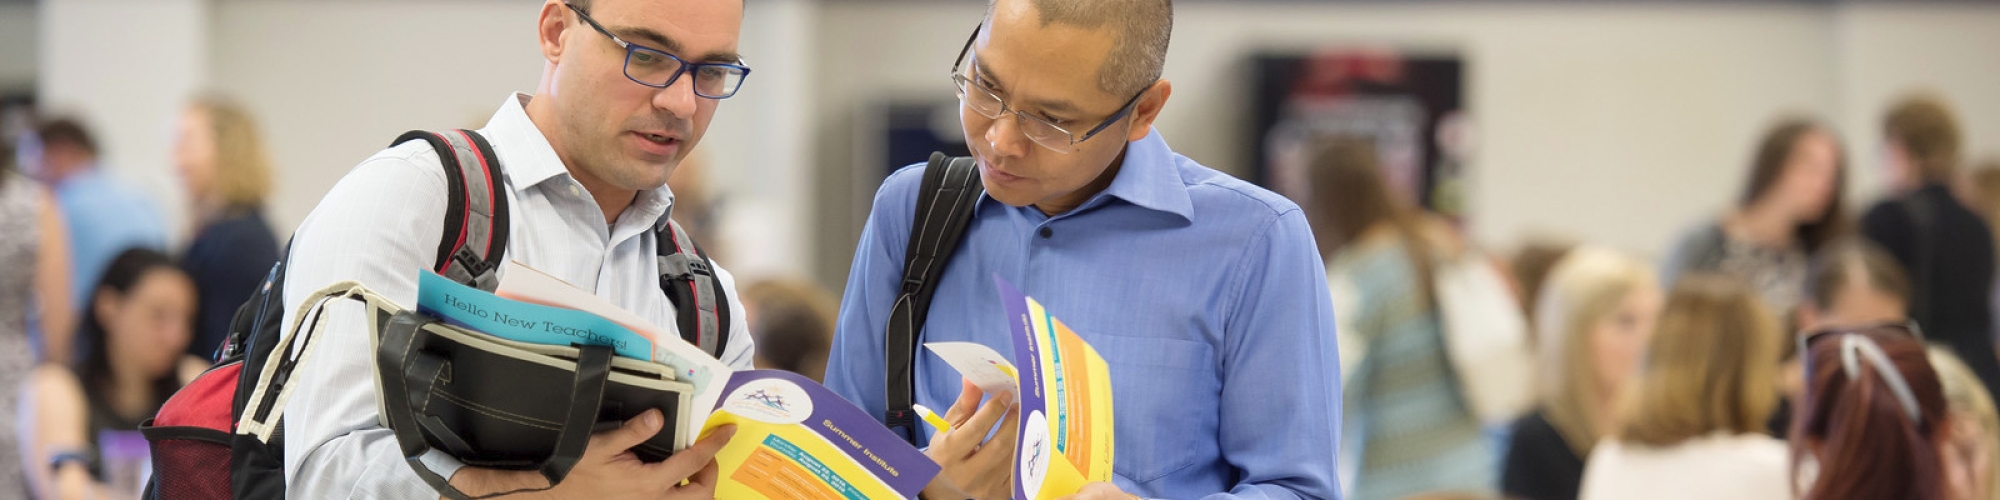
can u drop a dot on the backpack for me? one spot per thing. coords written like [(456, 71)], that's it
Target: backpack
[(950, 190), (199, 442)]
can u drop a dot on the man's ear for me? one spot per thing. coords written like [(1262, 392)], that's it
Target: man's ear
[(1149, 108), (549, 29)]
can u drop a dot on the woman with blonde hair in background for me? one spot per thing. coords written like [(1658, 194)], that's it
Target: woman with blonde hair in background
[(223, 166), (1974, 453), (1706, 385), (1592, 323)]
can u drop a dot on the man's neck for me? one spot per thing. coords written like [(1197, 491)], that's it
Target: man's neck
[(1076, 199), (610, 200)]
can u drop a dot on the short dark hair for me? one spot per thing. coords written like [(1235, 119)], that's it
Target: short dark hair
[(793, 326), (65, 132), (1139, 49), (1928, 132), (1850, 260)]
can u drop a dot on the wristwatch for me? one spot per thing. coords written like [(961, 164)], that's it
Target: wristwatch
[(73, 457)]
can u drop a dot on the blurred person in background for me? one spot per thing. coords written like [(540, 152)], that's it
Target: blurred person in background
[(1979, 189), (1975, 428), (136, 328), (792, 320), (1592, 323), (1852, 283), (34, 300), (1697, 410), (1407, 422), (1530, 269), (1791, 206), (695, 205), (1873, 421), (1946, 249), (103, 215), (223, 165)]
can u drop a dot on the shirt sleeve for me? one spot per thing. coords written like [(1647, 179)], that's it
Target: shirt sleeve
[(854, 369), (1280, 407), (378, 226)]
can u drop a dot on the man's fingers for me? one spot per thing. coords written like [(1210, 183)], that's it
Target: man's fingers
[(708, 476), (1011, 425), (968, 400), (636, 430), (982, 421), (999, 451), (701, 486), (686, 463)]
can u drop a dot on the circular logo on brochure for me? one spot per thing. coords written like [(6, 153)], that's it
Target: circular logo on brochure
[(1034, 453), (773, 401)]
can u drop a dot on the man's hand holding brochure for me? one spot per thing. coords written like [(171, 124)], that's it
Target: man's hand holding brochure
[(793, 439), (1056, 406)]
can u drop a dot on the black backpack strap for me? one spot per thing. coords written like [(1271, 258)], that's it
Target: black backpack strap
[(475, 216), (951, 189), (701, 306)]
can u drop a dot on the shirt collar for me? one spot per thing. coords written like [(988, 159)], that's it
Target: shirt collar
[(1150, 178), (530, 161)]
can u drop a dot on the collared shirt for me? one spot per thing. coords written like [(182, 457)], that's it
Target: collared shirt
[(1205, 295), (380, 225), (104, 216)]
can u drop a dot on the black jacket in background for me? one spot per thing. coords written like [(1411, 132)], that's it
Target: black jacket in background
[(227, 261), (1540, 465), (1951, 305)]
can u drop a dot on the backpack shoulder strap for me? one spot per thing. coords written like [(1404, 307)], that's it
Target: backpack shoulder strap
[(475, 217), (701, 306), (951, 189)]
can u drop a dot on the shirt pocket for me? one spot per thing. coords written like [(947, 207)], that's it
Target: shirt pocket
[(1164, 399)]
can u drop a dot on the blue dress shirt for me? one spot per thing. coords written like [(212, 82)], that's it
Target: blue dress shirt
[(1204, 293), (105, 217)]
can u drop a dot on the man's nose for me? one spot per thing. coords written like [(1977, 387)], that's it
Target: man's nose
[(1006, 137)]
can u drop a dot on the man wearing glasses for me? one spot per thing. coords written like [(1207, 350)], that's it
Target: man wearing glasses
[(628, 87), (1204, 293)]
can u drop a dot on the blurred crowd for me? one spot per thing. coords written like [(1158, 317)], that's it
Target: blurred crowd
[(1788, 346)]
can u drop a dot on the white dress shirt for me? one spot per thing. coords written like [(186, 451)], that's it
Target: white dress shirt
[(381, 224), (1713, 467)]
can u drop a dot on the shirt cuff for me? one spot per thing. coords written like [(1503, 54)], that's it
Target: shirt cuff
[(442, 463)]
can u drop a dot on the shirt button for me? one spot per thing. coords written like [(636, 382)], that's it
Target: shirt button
[(575, 191), (1046, 233)]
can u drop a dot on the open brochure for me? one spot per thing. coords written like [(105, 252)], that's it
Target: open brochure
[(1065, 438), (795, 439)]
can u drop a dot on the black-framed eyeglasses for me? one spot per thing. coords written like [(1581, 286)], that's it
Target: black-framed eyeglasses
[(1857, 348), (1042, 131), (658, 69)]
